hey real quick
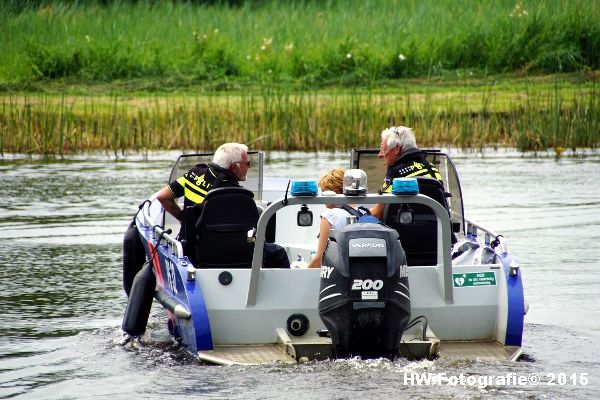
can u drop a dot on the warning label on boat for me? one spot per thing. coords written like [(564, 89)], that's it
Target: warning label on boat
[(487, 278)]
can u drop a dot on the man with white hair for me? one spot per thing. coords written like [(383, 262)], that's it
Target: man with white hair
[(229, 166), (402, 158)]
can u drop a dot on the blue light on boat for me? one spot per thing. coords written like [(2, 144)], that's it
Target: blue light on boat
[(304, 188), (405, 186)]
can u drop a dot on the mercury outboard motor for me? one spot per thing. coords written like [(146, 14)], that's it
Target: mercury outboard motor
[(364, 299)]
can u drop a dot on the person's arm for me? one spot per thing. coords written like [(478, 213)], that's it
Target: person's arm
[(377, 211), (324, 230), (166, 198)]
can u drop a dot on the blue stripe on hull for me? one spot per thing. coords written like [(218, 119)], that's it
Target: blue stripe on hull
[(194, 332), (199, 316), (516, 304)]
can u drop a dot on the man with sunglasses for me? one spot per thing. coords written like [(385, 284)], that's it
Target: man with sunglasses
[(229, 166), (402, 158)]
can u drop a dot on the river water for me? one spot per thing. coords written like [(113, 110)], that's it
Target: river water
[(61, 300)]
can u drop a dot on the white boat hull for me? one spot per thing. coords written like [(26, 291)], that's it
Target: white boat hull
[(473, 310)]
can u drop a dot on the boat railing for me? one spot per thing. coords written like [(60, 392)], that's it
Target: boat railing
[(444, 259), (159, 233), (489, 236)]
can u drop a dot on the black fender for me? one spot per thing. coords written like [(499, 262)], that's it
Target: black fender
[(134, 256), (139, 303)]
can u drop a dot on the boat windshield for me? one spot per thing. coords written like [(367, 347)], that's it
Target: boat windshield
[(367, 160), (253, 180)]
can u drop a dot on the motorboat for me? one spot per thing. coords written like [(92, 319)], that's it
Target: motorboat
[(425, 283)]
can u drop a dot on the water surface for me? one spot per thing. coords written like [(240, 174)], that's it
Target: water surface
[(61, 227)]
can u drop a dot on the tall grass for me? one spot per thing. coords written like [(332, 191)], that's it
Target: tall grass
[(528, 117), (311, 42)]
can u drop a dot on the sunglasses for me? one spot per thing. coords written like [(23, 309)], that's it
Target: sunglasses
[(248, 163)]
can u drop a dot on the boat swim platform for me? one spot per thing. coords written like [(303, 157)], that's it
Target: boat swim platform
[(479, 350), (245, 355), (308, 349), (286, 350), (293, 349)]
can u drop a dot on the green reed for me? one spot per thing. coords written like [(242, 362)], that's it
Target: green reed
[(528, 117)]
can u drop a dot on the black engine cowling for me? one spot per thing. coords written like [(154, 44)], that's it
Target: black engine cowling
[(364, 299)]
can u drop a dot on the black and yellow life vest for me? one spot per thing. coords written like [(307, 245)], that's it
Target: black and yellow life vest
[(412, 164), (196, 183)]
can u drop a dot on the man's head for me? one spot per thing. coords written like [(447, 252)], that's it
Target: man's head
[(234, 157), (395, 141)]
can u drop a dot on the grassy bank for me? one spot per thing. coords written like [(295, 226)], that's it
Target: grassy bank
[(308, 75), (312, 43), (527, 114)]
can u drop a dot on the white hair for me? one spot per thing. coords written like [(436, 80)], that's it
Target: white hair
[(399, 136), (229, 153)]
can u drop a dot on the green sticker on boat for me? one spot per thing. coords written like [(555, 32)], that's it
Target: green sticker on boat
[(487, 278)]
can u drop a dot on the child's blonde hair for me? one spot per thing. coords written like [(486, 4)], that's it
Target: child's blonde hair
[(333, 180)]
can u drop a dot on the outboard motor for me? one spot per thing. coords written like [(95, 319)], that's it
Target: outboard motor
[(364, 299)]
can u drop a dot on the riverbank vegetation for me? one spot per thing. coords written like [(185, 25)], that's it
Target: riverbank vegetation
[(121, 75), (528, 115)]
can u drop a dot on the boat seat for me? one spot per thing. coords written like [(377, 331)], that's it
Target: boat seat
[(219, 235), (419, 238)]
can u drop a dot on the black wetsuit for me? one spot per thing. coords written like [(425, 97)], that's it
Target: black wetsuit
[(411, 163)]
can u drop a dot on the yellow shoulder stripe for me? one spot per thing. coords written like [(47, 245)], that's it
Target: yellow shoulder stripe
[(189, 185)]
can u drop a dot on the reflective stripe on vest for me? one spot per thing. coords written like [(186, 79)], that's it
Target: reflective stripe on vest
[(193, 192)]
